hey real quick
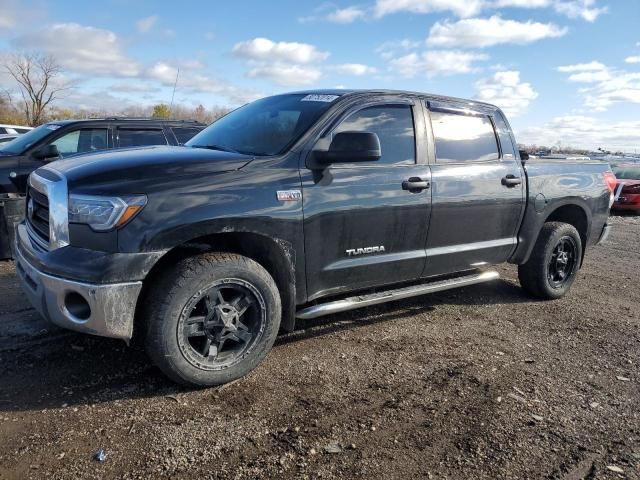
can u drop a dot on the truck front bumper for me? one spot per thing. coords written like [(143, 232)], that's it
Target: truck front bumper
[(105, 310), (84, 290)]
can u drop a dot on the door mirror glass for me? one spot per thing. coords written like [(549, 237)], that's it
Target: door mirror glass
[(47, 153), (348, 147), (524, 156)]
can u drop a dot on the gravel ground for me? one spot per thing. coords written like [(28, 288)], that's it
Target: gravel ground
[(480, 382)]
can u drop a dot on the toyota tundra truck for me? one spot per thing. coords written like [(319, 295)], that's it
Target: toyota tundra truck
[(293, 207)]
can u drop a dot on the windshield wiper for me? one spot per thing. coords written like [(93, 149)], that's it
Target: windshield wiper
[(216, 147)]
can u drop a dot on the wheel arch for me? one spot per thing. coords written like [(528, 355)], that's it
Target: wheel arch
[(575, 215), (573, 211), (275, 255)]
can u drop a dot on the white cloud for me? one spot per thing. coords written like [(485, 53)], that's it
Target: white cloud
[(505, 90), (133, 87), (388, 50), (357, 69), (592, 72), (584, 9), (608, 86), (436, 62), (461, 8), (521, 3), (582, 67), (265, 49), (145, 24), (634, 59), (7, 19), (346, 15), (584, 132), (286, 75), (622, 87), (82, 49), (487, 32), (194, 81)]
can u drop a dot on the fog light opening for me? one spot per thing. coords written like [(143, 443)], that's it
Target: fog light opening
[(77, 306)]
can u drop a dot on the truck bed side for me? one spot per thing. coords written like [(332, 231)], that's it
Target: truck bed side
[(561, 190)]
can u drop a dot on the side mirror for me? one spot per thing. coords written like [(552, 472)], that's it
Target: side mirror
[(348, 147), (47, 152), (524, 156)]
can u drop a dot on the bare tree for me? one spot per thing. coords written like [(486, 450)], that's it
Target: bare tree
[(39, 79)]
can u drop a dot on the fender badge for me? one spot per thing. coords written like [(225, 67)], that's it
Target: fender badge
[(289, 195)]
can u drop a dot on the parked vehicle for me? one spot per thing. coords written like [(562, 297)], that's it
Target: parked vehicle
[(627, 195), (14, 129), (62, 139), (4, 138), (297, 206)]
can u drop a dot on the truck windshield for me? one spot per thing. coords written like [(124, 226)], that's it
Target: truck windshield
[(265, 127), (22, 142)]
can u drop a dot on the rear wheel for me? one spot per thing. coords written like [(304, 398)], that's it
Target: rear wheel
[(554, 262), (212, 319)]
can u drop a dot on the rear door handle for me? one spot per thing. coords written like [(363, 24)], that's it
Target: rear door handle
[(511, 181), (415, 185)]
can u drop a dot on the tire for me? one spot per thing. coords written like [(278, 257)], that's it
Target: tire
[(541, 275), (195, 331)]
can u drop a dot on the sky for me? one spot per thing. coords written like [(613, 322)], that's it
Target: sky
[(566, 72)]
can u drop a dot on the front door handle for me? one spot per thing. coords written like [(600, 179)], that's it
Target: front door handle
[(511, 181), (415, 185)]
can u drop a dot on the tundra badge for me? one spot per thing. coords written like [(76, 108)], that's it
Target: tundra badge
[(289, 195), (352, 252)]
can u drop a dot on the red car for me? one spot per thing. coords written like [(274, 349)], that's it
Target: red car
[(627, 193)]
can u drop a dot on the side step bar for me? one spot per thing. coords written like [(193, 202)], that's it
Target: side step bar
[(360, 301)]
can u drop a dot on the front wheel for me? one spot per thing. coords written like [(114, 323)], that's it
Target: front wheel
[(554, 262), (212, 318)]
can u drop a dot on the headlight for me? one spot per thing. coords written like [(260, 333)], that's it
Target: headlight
[(104, 213)]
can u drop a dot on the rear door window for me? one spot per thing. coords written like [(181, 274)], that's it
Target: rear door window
[(504, 134), (463, 138), (139, 137), (184, 134)]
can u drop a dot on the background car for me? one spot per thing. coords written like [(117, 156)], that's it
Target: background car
[(628, 187), (7, 137), (61, 139), (13, 129)]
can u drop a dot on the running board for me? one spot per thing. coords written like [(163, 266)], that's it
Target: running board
[(360, 301)]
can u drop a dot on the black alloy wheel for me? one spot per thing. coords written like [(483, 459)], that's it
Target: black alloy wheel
[(221, 324)]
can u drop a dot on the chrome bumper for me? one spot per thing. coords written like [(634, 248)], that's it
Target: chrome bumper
[(104, 310)]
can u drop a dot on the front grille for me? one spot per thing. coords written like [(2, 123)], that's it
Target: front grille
[(38, 219)]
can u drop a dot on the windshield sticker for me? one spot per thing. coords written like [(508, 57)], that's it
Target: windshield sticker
[(319, 98), (53, 127)]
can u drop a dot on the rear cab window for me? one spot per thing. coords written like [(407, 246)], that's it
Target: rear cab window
[(463, 137)]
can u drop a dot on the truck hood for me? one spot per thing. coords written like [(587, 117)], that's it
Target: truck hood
[(146, 164)]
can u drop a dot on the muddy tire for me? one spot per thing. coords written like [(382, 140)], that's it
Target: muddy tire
[(554, 262), (211, 319)]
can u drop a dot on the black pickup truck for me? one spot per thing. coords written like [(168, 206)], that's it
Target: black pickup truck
[(297, 206)]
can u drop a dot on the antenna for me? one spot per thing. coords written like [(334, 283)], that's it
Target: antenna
[(174, 90)]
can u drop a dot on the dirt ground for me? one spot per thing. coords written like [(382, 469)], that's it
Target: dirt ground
[(481, 382)]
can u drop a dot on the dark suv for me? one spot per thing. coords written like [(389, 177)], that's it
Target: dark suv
[(62, 139)]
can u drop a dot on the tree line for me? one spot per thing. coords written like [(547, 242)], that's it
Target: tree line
[(39, 84)]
